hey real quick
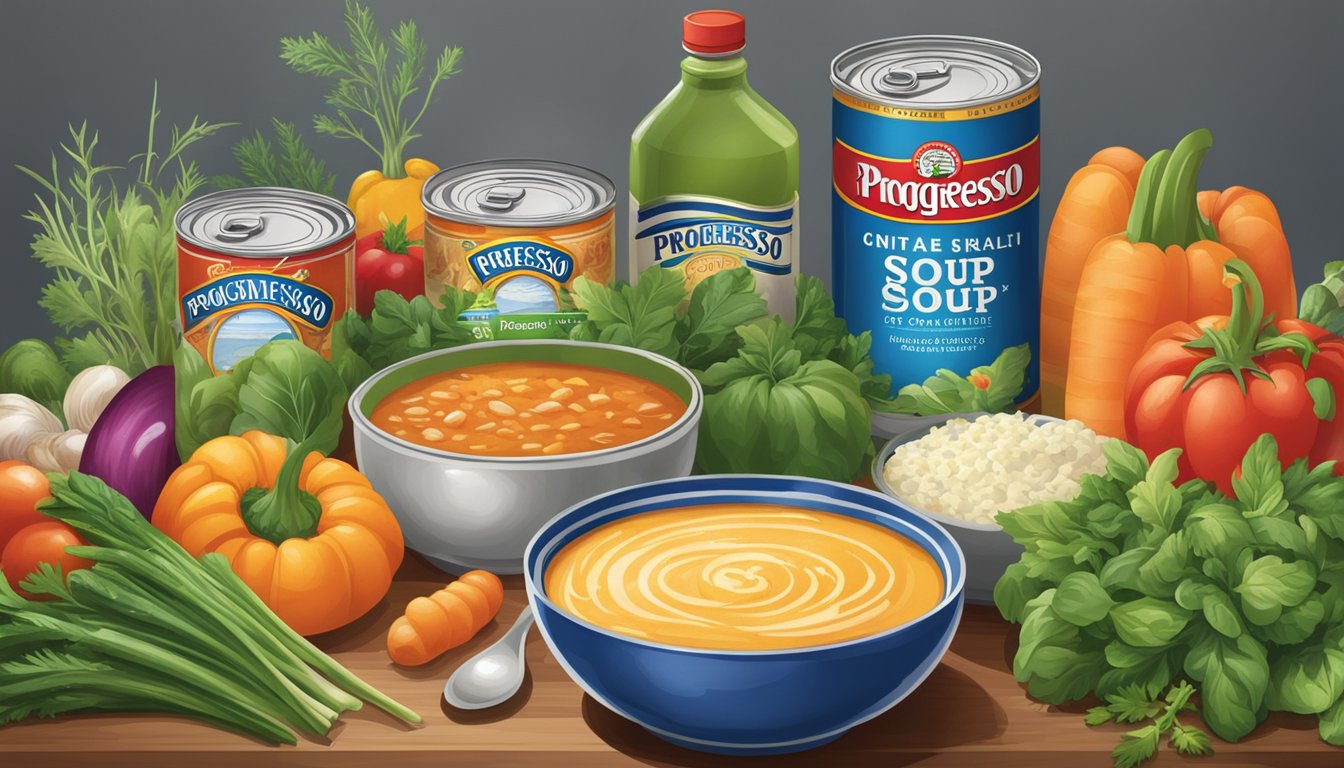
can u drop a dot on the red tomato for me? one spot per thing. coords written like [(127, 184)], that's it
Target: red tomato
[(40, 543), (21, 487), (1190, 397), (388, 261)]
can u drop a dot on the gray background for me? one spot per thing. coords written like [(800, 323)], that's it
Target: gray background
[(568, 80)]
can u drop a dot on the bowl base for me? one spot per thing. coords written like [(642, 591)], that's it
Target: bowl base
[(505, 567), (747, 749)]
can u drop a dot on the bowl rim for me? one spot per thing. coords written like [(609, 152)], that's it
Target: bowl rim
[(884, 454), (690, 416), (952, 594)]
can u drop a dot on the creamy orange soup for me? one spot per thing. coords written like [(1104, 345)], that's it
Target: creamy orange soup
[(527, 409), (744, 577)]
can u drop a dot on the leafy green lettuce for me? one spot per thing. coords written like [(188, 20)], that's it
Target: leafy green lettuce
[(284, 389), (1138, 581)]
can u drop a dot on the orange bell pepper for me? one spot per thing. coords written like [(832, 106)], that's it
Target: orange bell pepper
[(308, 534)]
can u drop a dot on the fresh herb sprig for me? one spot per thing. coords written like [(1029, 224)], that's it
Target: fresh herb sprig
[(375, 78), (107, 233), (286, 162), (1134, 703), (1138, 580)]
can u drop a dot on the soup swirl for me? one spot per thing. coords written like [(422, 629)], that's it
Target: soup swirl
[(744, 577)]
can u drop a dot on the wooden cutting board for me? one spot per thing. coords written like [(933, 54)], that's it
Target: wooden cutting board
[(969, 713)]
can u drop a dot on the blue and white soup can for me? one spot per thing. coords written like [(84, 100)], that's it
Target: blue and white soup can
[(935, 203)]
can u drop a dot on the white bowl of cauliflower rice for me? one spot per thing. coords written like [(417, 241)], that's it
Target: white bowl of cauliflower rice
[(969, 468)]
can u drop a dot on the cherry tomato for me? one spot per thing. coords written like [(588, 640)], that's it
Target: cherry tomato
[(21, 487), (40, 543)]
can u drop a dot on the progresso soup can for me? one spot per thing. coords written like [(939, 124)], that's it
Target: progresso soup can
[(935, 211), (259, 264), (517, 233)]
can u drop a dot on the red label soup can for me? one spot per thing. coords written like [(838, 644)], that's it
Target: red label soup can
[(259, 264)]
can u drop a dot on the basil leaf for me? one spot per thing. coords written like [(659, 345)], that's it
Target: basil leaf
[(1081, 600), (1269, 584), (718, 305), (1332, 724), (1012, 591), (852, 353), (1149, 622), (1217, 530), (1295, 624), (1306, 681), (1235, 675), (1200, 594), (816, 329)]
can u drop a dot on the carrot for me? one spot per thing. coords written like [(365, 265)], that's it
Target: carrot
[(1122, 159), (446, 619), (1133, 284), (1095, 204), (1126, 293), (1248, 224)]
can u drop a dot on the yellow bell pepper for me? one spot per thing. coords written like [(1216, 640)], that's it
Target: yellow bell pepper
[(379, 201)]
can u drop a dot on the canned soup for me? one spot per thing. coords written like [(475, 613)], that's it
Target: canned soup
[(527, 409)]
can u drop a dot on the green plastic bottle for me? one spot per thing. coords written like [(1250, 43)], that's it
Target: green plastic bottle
[(714, 171)]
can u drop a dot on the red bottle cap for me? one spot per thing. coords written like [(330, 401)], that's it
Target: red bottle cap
[(714, 33)]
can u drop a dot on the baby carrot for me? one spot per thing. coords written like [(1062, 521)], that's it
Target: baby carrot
[(446, 619)]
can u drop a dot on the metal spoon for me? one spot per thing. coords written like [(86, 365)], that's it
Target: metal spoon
[(494, 675)]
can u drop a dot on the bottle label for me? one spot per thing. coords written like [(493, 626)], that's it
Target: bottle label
[(700, 236)]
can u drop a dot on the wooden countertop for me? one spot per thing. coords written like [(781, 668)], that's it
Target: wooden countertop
[(970, 712)]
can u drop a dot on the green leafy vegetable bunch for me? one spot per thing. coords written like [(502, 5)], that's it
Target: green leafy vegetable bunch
[(1138, 582), (149, 628)]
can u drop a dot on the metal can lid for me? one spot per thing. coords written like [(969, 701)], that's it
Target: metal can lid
[(518, 193), (264, 222), (935, 71)]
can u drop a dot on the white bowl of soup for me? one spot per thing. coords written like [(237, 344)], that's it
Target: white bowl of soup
[(746, 614), (475, 447)]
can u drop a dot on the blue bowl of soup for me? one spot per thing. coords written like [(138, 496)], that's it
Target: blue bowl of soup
[(746, 614)]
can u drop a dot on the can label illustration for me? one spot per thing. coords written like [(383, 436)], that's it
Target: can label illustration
[(255, 265), (935, 212), (517, 232), (699, 236)]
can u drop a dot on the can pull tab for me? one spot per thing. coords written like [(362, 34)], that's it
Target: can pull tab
[(501, 198), (238, 227), (905, 80)]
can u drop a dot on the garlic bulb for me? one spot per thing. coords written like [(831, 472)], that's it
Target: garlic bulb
[(57, 451), (90, 392), (21, 421)]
